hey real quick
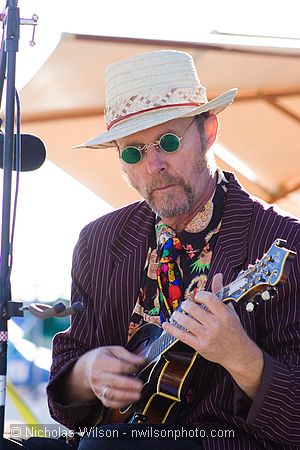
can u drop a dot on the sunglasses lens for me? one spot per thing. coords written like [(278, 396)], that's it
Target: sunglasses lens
[(169, 142), (131, 155)]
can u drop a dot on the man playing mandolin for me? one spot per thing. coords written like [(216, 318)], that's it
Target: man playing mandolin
[(211, 365)]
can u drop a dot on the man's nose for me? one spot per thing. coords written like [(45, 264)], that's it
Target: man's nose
[(155, 160)]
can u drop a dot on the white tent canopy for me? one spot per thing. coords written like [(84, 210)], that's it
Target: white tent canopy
[(64, 103)]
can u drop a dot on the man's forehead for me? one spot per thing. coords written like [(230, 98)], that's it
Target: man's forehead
[(175, 125)]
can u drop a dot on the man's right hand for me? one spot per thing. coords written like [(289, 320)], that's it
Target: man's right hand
[(109, 376), (105, 373)]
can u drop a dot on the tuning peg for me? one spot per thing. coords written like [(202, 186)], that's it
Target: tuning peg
[(269, 294), (266, 295), (250, 306)]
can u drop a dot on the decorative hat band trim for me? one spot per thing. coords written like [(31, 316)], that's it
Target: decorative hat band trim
[(148, 101), (114, 122)]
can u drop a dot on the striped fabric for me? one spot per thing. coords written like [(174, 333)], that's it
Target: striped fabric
[(107, 268)]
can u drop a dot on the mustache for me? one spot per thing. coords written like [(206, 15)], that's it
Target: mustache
[(162, 181)]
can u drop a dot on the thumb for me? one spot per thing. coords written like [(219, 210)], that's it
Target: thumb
[(123, 353), (217, 283)]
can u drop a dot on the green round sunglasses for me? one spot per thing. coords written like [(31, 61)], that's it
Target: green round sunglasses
[(168, 142)]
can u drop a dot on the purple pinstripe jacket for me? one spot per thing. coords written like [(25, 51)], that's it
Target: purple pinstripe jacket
[(107, 267)]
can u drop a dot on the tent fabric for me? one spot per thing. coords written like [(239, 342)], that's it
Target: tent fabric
[(63, 104)]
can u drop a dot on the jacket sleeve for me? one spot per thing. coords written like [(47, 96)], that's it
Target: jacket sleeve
[(106, 274), (69, 345)]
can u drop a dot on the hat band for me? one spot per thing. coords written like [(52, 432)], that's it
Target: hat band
[(119, 119)]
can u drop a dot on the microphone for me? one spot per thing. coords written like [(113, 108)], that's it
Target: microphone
[(33, 152)]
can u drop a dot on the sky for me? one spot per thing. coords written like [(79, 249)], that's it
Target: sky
[(48, 222)]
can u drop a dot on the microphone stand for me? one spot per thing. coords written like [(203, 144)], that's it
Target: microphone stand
[(8, 308), (11, 41)]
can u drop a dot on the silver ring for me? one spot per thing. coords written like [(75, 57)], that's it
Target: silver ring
[(104, 392)]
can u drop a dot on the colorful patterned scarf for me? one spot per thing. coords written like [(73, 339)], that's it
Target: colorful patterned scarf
[(168, 274)]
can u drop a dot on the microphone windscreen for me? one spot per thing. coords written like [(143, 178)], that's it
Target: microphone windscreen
[(33, 152)]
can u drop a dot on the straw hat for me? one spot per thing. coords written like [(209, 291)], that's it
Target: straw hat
[(150, 89)]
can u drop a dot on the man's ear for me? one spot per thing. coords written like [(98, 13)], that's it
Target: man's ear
[(211, 126)]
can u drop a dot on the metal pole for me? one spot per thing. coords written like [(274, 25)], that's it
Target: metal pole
[(11, 40)]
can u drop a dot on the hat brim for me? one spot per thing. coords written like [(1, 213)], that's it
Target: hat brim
[(152, 118)]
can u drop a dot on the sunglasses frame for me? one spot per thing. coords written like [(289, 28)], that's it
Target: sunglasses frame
[(143, 150)]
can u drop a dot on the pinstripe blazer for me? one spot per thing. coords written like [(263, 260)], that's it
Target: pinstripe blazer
[(107, 266)]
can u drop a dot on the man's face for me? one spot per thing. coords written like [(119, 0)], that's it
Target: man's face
[(171, 183)]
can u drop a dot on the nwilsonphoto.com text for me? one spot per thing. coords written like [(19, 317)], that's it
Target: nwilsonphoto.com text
[(54, 431)]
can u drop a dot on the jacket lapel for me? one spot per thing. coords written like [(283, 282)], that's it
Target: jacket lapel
[(134, 234), (129, 252), (231, 247)]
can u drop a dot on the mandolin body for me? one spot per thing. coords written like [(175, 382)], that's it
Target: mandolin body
[(165, 380)]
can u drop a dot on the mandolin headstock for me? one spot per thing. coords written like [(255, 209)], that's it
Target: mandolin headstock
[(266, 273)]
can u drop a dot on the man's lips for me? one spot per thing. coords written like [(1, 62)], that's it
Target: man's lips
[(164, 188)]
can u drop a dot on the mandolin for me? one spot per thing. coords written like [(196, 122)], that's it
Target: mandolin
[(169, 363)]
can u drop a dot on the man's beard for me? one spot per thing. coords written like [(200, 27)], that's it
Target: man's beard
[(168, 206)]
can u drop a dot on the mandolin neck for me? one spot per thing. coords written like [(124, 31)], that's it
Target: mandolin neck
[(165, 340)]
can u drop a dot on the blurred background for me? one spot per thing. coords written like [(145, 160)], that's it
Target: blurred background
[(254, 46)]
